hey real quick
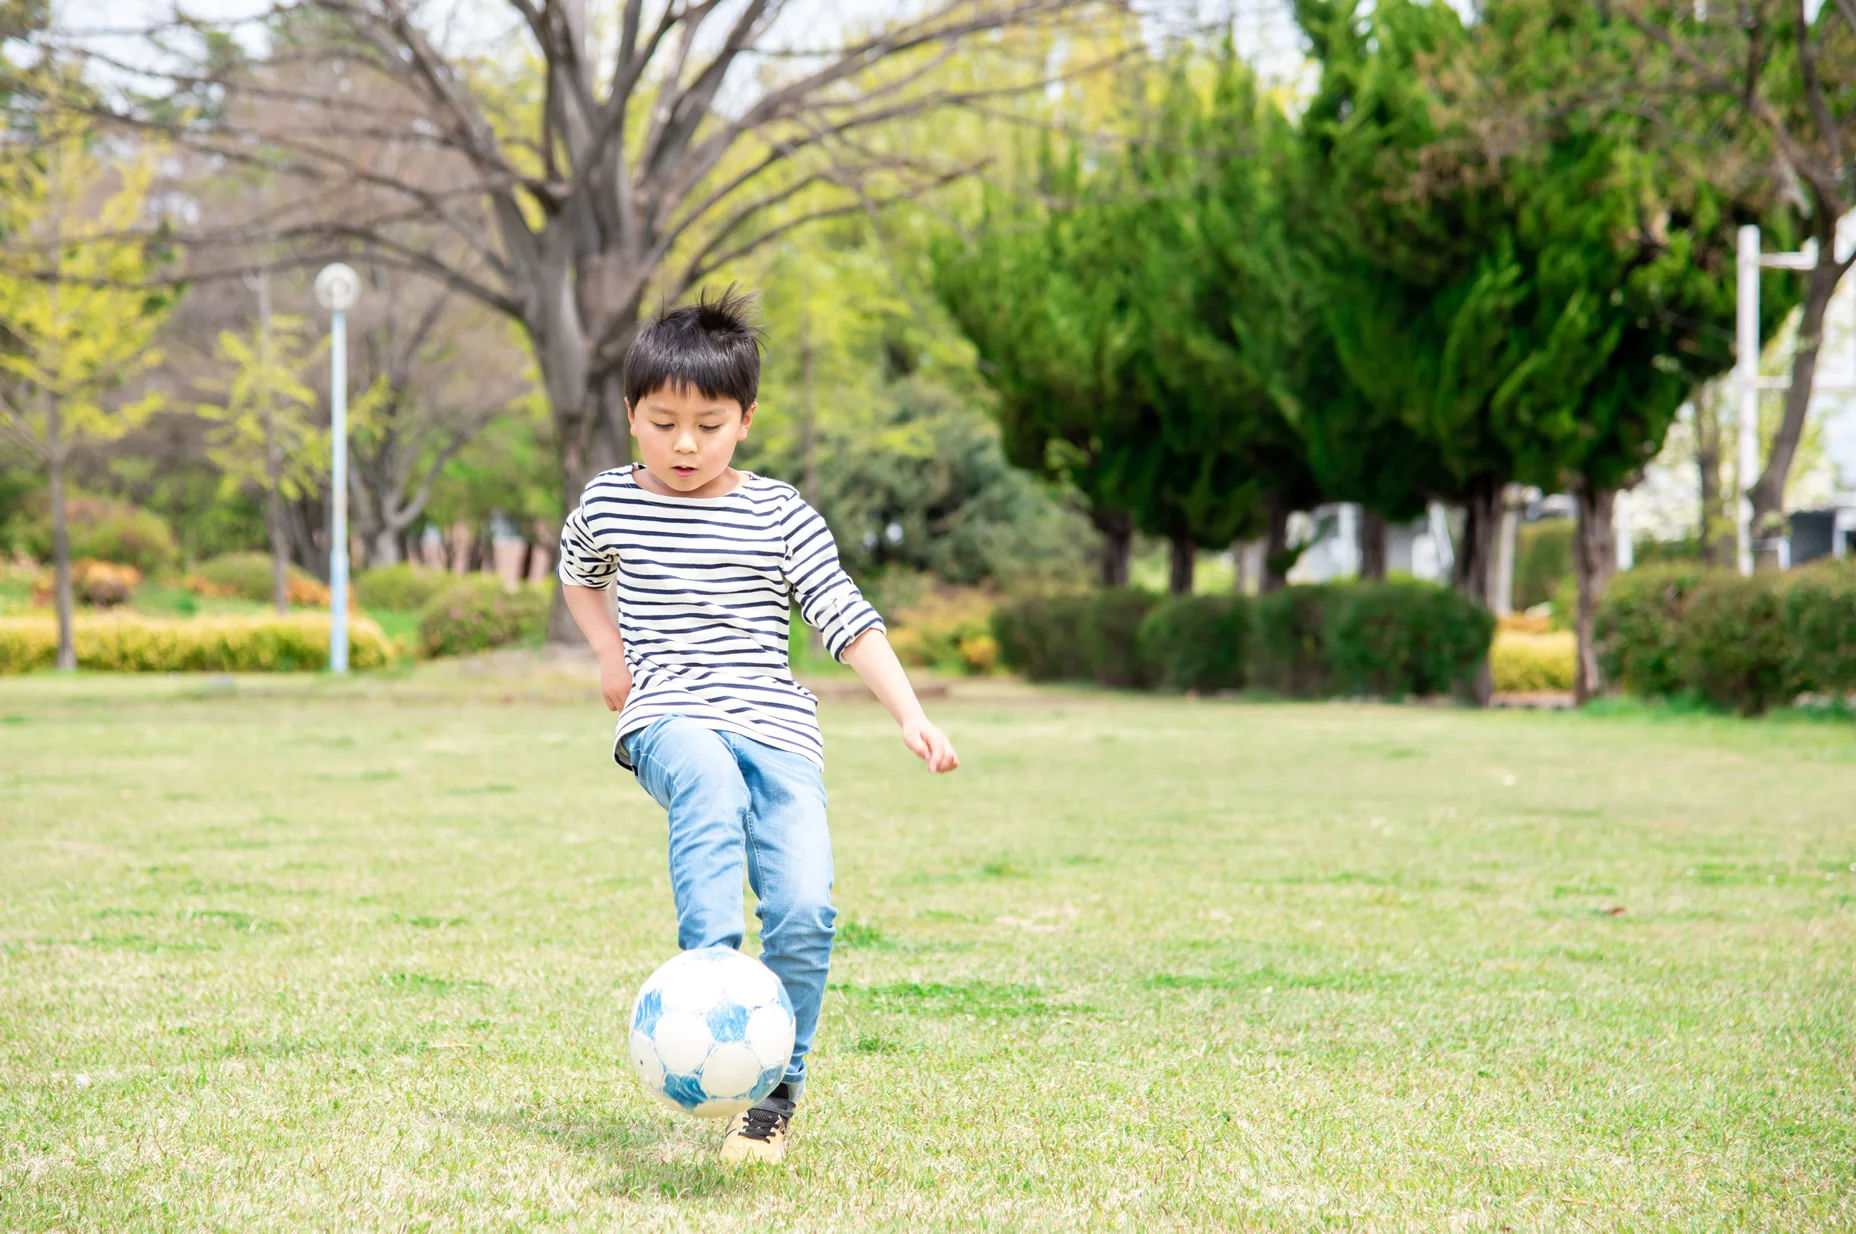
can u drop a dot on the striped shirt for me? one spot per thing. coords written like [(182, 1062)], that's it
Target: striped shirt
[(705, 588)]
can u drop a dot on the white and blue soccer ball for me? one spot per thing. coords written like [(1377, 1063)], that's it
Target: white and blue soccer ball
[(712, 1032)]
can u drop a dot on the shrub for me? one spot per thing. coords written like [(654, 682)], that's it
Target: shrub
[(1289, 649), (1733, 647), (247, 576), (1404, 637), (100, 528), (1820, 617), (1197, 642), (475, 613), (100, 584), (948, 630), (1542, 560), (1522, 663), (1637, 626), (1042, 636), (1111, 634), (402, 588), (224, 644)]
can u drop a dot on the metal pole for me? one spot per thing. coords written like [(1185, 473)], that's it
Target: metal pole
[(338, 484), (1746, 370)]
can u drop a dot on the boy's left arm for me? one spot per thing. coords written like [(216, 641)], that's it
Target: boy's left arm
[(875, 661)]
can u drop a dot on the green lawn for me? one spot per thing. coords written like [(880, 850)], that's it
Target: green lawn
[(299, 955)]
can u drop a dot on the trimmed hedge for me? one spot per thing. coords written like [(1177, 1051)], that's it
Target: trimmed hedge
[(1732, 645), (1743, 643), (1042, 636), (1637, 623), (402, 588), (1406, 637), (1820, 612), (125, 643), (475, 613), (1291, 641), (1197, 642), (1382, 638), (101, 528), (1112, 637), (247, 576), (1523, 663)]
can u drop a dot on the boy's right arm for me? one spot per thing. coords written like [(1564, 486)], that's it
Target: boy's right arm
[(591, 614)]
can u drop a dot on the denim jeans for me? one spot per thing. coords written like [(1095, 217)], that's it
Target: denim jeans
[(733, 800)]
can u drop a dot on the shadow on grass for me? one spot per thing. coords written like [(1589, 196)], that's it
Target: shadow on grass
[(632, 1145)]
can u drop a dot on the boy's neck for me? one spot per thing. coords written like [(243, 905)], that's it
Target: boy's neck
[(721, 486)]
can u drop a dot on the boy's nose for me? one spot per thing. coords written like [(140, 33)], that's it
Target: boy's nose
[(686, 444)]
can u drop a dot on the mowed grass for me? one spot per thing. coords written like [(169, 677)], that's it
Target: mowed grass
[(300, 955)]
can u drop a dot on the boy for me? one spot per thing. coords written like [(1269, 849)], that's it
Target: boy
[(707, 562)]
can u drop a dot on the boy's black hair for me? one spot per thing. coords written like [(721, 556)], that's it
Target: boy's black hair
[(712, 346)]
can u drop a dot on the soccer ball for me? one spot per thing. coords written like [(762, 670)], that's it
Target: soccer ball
[(712, 1032)]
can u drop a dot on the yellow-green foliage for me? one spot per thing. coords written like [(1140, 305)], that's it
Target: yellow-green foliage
[(239, 643), (948, 630), (1523, 662)]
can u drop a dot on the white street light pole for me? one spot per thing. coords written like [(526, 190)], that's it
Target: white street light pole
[(337, 288), (1746, 357)]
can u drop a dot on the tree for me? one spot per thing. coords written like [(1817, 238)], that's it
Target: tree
[(1415, 290), (264, 433), (78, 335), (1128, 318), (1773, 80), (1625, 261), (562, 184), (1535, 300), (435, 370)]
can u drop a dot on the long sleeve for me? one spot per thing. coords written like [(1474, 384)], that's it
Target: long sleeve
[(827, 598), (584, 563)]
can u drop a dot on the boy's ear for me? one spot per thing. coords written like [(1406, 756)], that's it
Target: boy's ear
[(747, 418), (631, 417)]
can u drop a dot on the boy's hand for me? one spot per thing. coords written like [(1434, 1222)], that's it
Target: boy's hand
[(615, 680), (930, 745)]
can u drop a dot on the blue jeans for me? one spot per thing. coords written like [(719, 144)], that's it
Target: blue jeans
[(732, 799)]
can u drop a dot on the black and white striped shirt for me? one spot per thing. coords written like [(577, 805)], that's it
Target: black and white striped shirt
[(705, 588)]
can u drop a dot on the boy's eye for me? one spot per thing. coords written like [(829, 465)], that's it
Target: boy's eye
[(710, 428), (664, 427)]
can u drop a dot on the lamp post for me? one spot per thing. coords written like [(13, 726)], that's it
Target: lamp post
[(337, 288)]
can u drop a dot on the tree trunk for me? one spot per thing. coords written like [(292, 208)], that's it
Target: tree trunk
[(1374, 547), (61, 535), (1475, 557), (808, 413), (1595, 561), (1715, 550), (280, 549), (1769, 492), (1185, 557), (1275, 546), (273, 456), (1475, 560), (1117, 529), (591, 437), (385, 550)]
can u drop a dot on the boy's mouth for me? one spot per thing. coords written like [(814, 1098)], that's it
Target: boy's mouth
[(685, 472)]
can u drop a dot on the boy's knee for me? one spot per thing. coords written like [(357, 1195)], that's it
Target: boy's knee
[(678, 758), (804, 914)]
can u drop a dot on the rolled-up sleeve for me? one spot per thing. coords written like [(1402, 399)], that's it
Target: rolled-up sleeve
[(584, 563), (827, 598)]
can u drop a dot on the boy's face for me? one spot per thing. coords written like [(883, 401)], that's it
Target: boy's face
[(686, 440)]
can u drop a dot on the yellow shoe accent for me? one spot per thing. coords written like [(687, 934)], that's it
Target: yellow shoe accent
[(758, 1134)]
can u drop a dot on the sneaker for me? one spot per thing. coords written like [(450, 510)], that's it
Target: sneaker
[(759, 1133)]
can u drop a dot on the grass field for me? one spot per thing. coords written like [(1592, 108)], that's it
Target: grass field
[(294, 955)]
